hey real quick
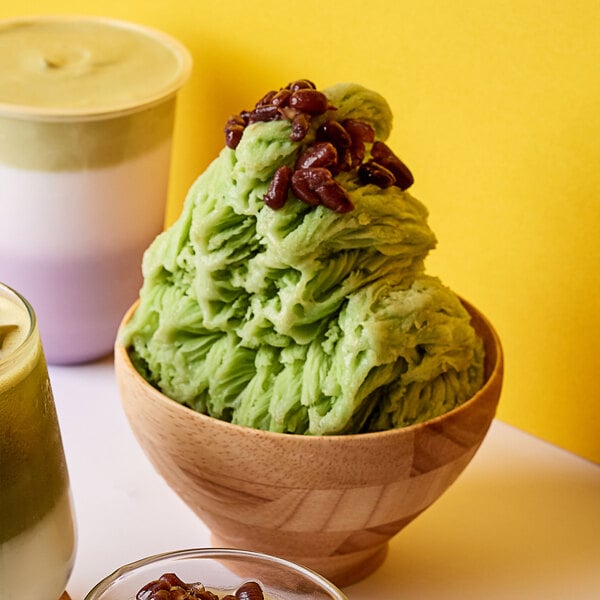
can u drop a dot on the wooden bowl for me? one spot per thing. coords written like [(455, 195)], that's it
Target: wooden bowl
[(330, 503)]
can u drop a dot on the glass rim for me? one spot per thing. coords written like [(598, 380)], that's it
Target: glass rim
[(38, 113), (6, 290), (215, 553)]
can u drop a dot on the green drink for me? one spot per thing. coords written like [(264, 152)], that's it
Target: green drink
[(37, 535)]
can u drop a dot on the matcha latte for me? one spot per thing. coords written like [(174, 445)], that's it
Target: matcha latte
[(37, 536), (86, 119)]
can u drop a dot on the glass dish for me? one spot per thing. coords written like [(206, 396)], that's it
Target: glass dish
[(222, 571)]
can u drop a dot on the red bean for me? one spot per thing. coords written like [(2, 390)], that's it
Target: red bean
[(332, 131), (179, 593), (151, 588), (300, 127), (309, 101), (267, 98), (249, 591), (321, 154), (334, 197), (281, 98), (172, 580), (359, 130), (373, 172), (317, 186), (357, 154), (266, 112), (301, 84), (384, 155), (235, 120), (161, 589), (344, 162), (276, 195), (233, 135), (306, 181)]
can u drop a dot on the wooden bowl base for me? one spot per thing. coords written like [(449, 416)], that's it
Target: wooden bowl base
[(342, 570)]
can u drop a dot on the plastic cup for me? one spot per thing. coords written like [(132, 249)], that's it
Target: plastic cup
[(221, 571), (86, 124), (37, 531)]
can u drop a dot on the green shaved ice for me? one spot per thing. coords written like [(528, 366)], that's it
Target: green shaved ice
[(302, 320)]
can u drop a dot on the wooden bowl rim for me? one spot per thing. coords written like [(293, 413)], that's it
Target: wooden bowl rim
[(494, 375)]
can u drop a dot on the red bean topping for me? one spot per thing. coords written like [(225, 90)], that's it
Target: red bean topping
[(373, 172), (300, 127), (150, 589), (275, 105), (334, 197), (289, 113), (234, 128), (267, 98), (172, 580), (249, 591), (276, 195), (357, 154), (317, 186), (321, 154), (170, 587), (339, 146), (310, 101), (359, 130), (384, 155), (306, 181), (233, 136), (334, 132), (197, 587), (281, 98), (235, 120), (265, 112), (301, 84), (344, 162)]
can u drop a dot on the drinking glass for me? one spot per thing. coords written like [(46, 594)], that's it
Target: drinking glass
[(37, 528)]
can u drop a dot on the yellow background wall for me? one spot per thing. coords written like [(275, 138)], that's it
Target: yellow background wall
[(497, 112)]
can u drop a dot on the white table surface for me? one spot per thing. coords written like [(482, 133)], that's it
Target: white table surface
[(522, 521)]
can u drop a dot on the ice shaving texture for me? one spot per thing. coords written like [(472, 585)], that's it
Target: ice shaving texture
[(302, 320)]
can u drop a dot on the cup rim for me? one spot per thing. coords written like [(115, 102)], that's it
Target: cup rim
[(179, 78), (7, 291), (216, 553)]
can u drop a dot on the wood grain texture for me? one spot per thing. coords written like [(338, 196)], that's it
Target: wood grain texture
[(331, 503)]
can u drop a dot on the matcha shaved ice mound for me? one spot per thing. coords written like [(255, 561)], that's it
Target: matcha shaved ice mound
[(314, 317)]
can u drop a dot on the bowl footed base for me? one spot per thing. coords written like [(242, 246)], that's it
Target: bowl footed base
[(342, 569)]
